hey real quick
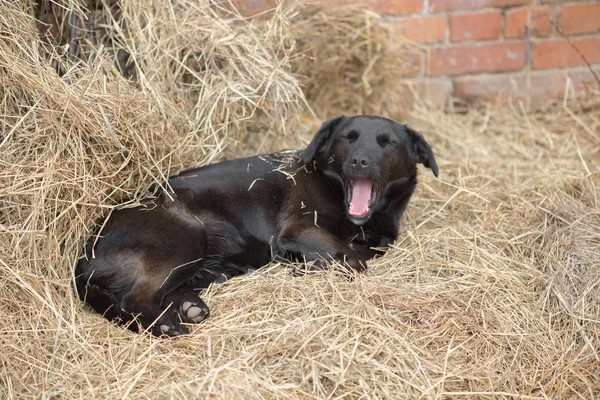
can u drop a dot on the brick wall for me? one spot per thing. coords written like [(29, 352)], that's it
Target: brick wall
[(503, 50)]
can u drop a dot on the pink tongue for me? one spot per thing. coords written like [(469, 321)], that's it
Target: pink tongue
[(361, 194)]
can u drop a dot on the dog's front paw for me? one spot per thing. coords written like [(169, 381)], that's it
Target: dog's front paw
[(170, 330), (167, 325)]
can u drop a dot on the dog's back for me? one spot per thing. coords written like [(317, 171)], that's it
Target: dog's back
[(217, 222)]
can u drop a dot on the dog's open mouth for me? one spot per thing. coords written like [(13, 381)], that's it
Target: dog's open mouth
[(361, 197)]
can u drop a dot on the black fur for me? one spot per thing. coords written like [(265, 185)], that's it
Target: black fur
[(235, 216)]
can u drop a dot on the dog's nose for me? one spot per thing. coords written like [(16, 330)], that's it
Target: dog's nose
[(360, 162)]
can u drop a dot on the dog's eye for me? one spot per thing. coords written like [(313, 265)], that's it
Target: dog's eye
[(383, 140), (352, 136)]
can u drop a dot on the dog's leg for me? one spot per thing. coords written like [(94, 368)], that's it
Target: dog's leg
[(317, 245), (149, 300), (143, 303)]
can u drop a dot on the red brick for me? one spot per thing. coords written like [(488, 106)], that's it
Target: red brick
[(542, 87), (560, 53), (410, 62), (490, 57), (583, 81), (478, 26), (423, 30), (579, 18), (252, 7), (516, 20), (436, 91), (509, 88), (385, 7), (451, 5)]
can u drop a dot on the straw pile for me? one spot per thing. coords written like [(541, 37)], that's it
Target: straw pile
[(492, 290), (348, 62)]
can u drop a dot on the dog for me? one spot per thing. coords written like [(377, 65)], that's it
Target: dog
[(339, 200)]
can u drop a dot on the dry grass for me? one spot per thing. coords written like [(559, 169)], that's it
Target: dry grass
[(492, 290), (349, 63)]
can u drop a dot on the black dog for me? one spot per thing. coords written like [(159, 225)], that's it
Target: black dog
[(334, 201)]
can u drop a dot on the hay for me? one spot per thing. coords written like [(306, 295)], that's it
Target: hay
[(349, 62), (492, 290)]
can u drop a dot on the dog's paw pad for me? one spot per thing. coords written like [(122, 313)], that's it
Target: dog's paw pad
[(172, 330), (193, 312), (196, 314)]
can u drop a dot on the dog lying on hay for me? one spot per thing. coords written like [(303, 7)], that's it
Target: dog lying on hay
[(334, 201)]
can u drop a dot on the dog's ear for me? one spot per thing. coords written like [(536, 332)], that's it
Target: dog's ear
[(420, 150), (322, 135)]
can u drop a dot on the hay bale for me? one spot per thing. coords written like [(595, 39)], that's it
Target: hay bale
[(78, 136), (81, 132), (349, 61), (492, 290)]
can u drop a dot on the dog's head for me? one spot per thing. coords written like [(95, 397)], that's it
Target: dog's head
[(368, 155)]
